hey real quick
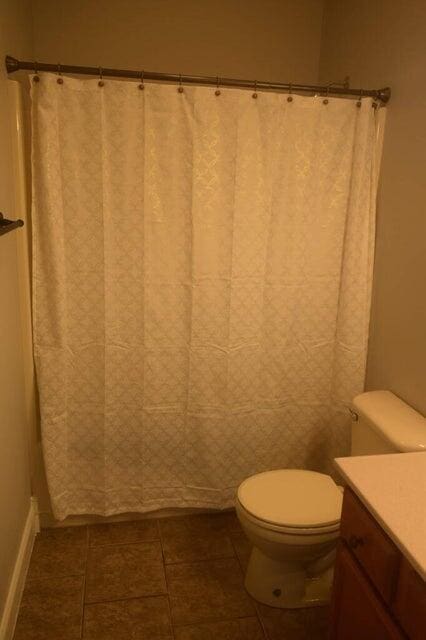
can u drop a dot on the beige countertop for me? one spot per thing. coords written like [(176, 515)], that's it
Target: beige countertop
[(393, 488)]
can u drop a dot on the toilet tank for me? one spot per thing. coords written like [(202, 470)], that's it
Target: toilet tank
[(383, 423)]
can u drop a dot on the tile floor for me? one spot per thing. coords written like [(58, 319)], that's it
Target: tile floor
[(176, 578)]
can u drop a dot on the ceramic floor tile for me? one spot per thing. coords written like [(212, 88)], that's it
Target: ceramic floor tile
[(189, 548), (203, 591), (242, 548), (295, 624), (185, 525), (58, 552), (240, 629), (51, 609), (283, 624), (123, 532), (318, 623), (64, 535), (124, 571), (200, 524), (141, 618), (226, 520)]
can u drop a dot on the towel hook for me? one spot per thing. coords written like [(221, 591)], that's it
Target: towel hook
[(180, 88), (290, 97), (142, 86), (217, 92), (359, 101), (101, 82)]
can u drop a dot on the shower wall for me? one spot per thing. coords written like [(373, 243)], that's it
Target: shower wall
[(15, 484), (264, 39), (378, 42)]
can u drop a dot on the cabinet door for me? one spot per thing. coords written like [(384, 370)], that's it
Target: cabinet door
[(370, 545), (357, 611), (410, 602)]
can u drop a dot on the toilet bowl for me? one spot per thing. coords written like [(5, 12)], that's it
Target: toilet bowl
[(292, 518)]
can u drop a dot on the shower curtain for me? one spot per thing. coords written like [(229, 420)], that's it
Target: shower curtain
[(202, 275)]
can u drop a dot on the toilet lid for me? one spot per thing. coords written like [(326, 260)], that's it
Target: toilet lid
[(292, 497)]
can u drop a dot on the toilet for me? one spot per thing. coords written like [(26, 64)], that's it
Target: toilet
[(292, 516)]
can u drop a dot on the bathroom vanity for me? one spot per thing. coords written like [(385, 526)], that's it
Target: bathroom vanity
[(379, 589)]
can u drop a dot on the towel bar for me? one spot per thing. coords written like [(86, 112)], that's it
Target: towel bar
[(8, 225)]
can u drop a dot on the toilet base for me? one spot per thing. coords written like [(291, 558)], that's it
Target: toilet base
[(284, 584)]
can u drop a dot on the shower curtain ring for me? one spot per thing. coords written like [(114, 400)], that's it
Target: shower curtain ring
[(180, 88), (359, 101), (217, 92), (142, 86), (60, 80), (101, 82), (254, 95), (36, 77), (290, 97), (325, 101)]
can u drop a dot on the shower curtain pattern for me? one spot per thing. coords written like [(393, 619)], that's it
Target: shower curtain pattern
[(202, 272)]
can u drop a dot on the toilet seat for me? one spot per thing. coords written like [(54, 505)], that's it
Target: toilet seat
[(294, 501), (299, 532)]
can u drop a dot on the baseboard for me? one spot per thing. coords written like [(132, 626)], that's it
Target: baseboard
[(16, 587)]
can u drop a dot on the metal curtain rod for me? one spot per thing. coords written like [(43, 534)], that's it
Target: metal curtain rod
[(12, 64)]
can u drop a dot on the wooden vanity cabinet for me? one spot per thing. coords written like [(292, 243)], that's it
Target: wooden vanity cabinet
[(377, 595)]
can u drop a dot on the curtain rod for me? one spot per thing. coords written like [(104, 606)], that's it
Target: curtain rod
[(12, 64)]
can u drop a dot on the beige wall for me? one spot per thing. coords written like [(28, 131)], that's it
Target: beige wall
[(264, 39), (383, 42), (15, 34)]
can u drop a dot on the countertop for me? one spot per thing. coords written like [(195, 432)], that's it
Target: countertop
[(393, 488)]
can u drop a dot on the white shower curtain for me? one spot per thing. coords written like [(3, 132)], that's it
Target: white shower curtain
[(202, 274)]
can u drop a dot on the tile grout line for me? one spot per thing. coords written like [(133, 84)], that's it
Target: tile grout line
[(210, 620), (259, 617), (167, 584), (121, 544), (201, 560), (126, 599), (212, 559), (54, 577)]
